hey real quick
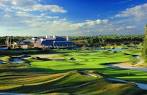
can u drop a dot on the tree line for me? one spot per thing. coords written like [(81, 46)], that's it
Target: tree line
[(95, 41), (92, 41)]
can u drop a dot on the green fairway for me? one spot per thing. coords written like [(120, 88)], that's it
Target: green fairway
[(85, 60), (59, 74), (94, 60)]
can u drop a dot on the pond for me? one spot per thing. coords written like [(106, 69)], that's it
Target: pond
[(19, 59), (1, 62), (25, 56), (11, 94), (3, 48), (117, 49), (16, 60)]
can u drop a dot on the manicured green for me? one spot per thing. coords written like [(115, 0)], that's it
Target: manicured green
[(63, 76), (94, 60)]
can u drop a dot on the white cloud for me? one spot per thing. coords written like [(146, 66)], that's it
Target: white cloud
[(132, 20), (14, 2), (30, 5), (139, 12), (22, 14), (17, 18), (91, 23), (52, 8), (130, 27)]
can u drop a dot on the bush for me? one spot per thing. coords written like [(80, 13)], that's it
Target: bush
[(134, 60), (106, 52)]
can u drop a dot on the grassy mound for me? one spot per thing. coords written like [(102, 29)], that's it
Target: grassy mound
[(72, 82)]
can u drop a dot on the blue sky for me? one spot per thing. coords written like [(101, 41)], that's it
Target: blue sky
[(79, 10), (72, 17)]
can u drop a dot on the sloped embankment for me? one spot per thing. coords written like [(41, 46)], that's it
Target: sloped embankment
[(73, 82)]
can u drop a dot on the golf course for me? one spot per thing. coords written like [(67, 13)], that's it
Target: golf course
[(80, 72), (73, 47)]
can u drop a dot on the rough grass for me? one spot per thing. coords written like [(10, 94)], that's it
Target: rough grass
[(4, 58), (62, 78), (62, 83)]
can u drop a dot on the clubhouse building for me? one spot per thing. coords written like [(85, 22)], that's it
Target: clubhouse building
[(53, 42)]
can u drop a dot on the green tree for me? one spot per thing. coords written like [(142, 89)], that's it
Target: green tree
[(144, 54)]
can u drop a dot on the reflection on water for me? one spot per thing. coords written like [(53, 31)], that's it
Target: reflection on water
[(3, 48), (16, 60), (1, 62)]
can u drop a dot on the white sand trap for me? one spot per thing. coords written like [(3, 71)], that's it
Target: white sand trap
[(51, 56), (127, 66)]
